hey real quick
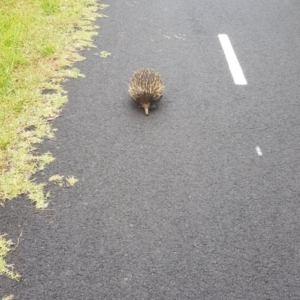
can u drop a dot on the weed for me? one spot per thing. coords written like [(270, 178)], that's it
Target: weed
[(62, 181), (104, 54), (5, 269)]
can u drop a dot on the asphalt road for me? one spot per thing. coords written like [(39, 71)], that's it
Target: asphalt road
[(176, 205)]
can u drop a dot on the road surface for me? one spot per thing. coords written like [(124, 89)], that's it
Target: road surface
[(199, 200)]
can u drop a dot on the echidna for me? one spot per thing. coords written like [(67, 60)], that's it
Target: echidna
[(146, 88)]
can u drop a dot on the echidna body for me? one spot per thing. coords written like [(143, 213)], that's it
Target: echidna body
[(146, 88)]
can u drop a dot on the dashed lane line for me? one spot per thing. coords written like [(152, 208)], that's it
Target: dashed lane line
[(233, 63), (258, 150)]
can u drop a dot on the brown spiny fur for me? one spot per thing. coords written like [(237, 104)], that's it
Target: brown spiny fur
[(146, 88)]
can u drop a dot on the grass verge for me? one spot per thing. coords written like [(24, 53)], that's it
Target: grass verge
[(39, 41)]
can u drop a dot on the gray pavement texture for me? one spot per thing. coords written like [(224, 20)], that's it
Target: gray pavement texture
[(176, 205)]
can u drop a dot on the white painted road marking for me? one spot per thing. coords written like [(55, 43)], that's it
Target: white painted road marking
[(233, 63), (258, 151)]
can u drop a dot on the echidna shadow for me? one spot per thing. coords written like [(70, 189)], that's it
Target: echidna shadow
[(146, 88)]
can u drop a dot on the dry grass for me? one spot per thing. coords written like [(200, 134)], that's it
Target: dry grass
[(5, 269), (10, 297)]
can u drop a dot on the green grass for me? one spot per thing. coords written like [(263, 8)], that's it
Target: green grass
[(39, 41)]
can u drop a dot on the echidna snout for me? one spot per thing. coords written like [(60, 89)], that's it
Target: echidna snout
[(146, 88), (146, 108)]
